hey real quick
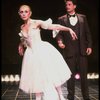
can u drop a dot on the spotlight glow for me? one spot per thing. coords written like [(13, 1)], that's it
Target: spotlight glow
[(11, 78), (6, 78), (17, 78), (77, 76), (2, 79)]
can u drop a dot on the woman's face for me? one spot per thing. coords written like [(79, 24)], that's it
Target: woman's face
[(24, 12)]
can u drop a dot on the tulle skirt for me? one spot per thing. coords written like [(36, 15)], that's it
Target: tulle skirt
[(42, 66)]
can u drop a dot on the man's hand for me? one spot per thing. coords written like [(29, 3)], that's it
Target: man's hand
[(60, 44), (89, 51)]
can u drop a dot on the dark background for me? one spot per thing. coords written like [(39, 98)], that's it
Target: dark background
[(42, 9)]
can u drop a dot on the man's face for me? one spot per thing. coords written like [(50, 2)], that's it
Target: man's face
[(70, 7)]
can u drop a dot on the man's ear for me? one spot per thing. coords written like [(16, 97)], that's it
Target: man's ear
[(75, 6)]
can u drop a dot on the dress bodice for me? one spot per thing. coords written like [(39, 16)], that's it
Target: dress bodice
[(31, 38), (33, 35)]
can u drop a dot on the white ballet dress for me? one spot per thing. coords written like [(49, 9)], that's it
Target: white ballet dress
[(42, 63)]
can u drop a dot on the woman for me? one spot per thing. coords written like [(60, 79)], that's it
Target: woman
[(43, 68)]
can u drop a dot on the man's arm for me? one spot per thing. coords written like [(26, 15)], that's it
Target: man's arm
[(89, 38)]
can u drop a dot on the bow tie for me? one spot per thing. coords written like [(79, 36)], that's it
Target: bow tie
[(72, 15)]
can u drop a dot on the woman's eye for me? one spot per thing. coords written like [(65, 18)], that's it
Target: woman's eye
[(26, 11), (21, 12)]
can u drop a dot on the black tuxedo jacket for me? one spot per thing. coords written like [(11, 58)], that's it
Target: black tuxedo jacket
[(84, 37)]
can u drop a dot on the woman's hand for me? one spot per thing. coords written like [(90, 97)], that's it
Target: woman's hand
[(73, 34), (20, 50)]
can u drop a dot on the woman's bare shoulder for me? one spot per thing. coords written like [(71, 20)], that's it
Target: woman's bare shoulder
[(21, 27), (35, 23)]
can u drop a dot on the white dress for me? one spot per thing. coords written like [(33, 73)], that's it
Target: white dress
[(42, 64)]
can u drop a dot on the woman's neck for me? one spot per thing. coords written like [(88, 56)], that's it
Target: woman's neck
[(27, 21)]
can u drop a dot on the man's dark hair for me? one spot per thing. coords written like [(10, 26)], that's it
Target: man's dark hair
[(73, 1)]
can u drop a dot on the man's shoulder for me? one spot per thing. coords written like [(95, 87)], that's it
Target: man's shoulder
[(82, 15), (62, 17)]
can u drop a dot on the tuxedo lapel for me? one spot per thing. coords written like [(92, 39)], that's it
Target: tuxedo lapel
[(65, 20), (80, 19)]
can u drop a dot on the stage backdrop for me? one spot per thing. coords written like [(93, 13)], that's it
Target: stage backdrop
[(42, 9)]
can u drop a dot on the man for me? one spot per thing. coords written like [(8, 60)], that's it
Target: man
[(75, 52)]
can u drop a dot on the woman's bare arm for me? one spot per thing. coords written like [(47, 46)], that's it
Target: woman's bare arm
[(62, 28)]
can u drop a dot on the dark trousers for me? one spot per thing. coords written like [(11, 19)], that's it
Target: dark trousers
[(77, 64)]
